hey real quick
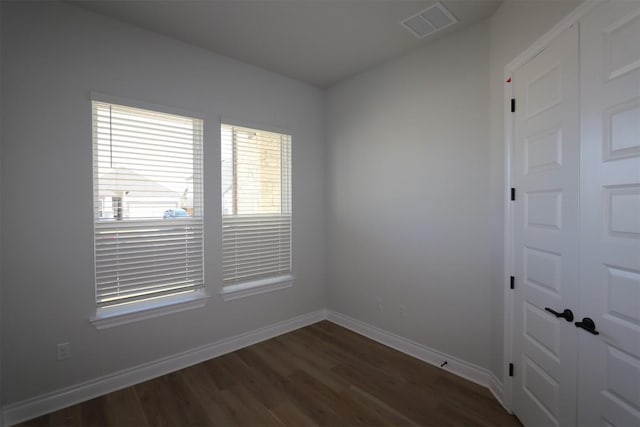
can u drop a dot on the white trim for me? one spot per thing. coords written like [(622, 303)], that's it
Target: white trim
[(53, 401), (457, 366), (508, 244), (541, 43), (255, 287), (532, 51), (224, 120), (128, 102), (109, 317), (495, 387)]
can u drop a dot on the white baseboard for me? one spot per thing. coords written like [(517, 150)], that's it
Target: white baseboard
[(454, 365), (49, 402), (497, 389), (53, 401)]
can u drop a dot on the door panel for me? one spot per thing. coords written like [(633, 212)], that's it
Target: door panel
[(546, 176), (609, 363)]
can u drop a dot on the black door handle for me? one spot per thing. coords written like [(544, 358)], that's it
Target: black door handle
[(588, 325), (566, 314)]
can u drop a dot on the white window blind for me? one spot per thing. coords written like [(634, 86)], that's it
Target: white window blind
[(148, 218), (256, 204)]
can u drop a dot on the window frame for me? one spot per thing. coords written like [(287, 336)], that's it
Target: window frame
[(120, 314), (256, 286)]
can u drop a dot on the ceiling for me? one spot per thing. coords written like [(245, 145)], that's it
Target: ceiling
[(319, 42)]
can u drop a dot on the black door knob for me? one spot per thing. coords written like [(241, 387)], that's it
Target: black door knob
[(566, 314), (588, 325)]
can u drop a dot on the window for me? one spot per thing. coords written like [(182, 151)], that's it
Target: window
[(148, 217), (256, 206)]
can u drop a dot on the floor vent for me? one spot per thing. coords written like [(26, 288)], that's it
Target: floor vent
[(430, 20)]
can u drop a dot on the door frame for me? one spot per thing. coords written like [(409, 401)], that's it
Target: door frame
[(509, 72)]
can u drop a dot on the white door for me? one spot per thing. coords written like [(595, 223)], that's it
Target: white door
[(609, 363), (545, 236)]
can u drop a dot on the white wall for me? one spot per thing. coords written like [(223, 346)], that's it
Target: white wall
[(1, 60), (416, 187), (408, 205), (514, 27), (53, 55)]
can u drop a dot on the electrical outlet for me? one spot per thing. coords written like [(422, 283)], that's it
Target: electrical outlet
[(403, 310), (379, 303), (64, 350)]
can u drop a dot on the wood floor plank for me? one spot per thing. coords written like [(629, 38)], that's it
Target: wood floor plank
[(420, 411), (320, 375), (387, 413), (308, 362), (94, 412), (290, 415), (67, 417), (255, 382), (124, 409), (265, 366), (220, 376), (320, 411), (167, 401), (245, 410), (198, 379), (472, 399)]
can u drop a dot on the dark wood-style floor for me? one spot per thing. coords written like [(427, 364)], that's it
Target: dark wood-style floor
[(321, 375)]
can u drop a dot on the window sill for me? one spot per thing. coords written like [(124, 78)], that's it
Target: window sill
[(129, 313), (255, 287)]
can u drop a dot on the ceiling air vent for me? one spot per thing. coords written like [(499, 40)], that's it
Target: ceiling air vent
[(430, 20)]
